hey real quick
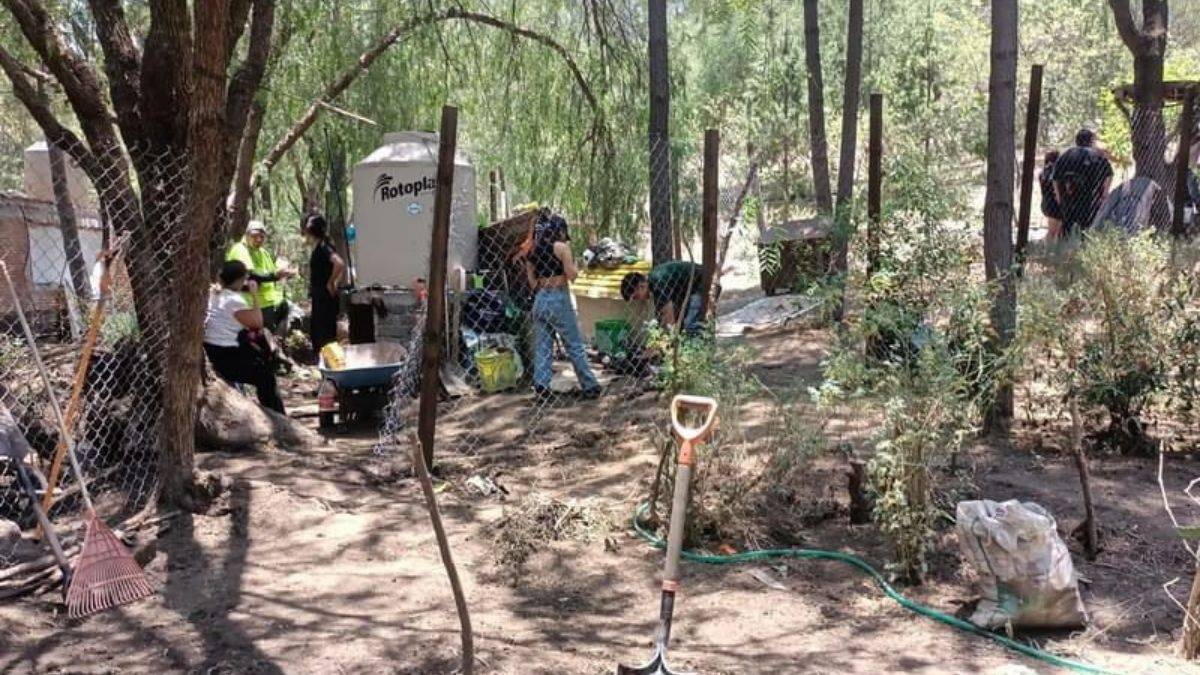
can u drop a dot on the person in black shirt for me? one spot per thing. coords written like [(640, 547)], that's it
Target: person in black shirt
[(325, 269), (1082, 176), (1051, 209)]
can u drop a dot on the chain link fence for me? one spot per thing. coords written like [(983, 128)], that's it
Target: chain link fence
[(52, 239), (1122, 175), (565, 344)]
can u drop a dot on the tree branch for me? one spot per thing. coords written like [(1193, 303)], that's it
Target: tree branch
[(76, 76), (166, 72), (244, 85), (1123, 16), (122, 64), (27, 94), (368, 57)]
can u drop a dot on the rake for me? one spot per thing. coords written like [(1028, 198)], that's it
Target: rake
[(106, 575)]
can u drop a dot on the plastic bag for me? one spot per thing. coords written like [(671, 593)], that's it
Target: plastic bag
[(1025, 569)]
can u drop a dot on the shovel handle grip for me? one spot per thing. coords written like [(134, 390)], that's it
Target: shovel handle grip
[(705, 405)]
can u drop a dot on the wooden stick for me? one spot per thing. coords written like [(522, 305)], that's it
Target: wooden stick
[(434, 316), (1032, 118), (81, 370)]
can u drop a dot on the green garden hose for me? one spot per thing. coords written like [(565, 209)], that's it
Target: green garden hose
[(862, 566)]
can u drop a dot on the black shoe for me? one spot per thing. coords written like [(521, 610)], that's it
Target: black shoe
[(542, 397), (590, 394)]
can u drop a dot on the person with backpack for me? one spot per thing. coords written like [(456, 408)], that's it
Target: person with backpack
[(1051, 209), (550, 269), (1082, 176)]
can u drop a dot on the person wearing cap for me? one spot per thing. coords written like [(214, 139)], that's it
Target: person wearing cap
[(550, 269), (252, 253), (1082, 176)]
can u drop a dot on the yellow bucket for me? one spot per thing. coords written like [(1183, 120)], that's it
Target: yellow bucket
[(497, 369)]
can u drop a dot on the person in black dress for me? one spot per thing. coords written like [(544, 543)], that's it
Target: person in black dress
[(325, 269)]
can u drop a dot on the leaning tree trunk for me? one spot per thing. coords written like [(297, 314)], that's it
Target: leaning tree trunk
[(661, 247), (816, 108), (998, 200)]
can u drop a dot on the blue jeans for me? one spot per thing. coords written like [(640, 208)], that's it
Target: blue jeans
[(553, 313), (691, 315)]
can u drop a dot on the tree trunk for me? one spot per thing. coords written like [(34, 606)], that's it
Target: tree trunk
[(1189, 644), (206, 142), (661, 247), (851, 98), (816, 108), (1148, 45), (67, 222), (998, 200)]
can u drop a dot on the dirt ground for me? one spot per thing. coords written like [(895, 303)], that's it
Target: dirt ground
[(323, 561)]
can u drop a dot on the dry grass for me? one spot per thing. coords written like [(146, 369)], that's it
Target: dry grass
[(539, 519)]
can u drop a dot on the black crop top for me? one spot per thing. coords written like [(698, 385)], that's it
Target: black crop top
[(545, 263)]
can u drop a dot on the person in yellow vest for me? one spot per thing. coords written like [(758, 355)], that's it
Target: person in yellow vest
[(252, 253)]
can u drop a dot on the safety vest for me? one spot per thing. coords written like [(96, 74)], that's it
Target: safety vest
[(258, 261)]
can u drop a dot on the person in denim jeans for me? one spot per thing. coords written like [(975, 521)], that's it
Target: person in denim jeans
[(550, 268)]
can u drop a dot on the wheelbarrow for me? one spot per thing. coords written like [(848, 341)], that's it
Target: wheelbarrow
[(361, 387)]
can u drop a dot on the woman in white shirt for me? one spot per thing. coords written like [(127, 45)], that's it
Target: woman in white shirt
[(228, 315)]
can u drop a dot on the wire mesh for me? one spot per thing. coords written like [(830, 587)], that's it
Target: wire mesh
[(1123, 175), (561, 328), (51, 239)]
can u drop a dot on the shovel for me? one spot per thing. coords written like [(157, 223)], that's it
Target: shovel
[(706, 408)]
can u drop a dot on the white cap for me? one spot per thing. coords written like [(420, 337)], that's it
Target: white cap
[(256, 226)]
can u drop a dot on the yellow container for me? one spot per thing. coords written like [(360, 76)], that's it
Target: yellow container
[(333, 356), (497, 369)]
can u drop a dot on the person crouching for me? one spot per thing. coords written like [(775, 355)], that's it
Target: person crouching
[(234, 341)]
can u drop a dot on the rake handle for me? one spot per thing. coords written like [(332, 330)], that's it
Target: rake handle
[(58, 413), (85, 362)]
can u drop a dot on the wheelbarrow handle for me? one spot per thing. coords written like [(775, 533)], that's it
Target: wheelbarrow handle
[(706, 405)]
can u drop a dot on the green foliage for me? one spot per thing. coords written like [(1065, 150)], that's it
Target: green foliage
[(1116, 318), (919, 353)]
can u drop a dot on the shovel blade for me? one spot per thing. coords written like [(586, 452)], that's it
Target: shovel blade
[(656, 666)]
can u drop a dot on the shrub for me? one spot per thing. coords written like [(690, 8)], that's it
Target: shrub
[(1116, 321)]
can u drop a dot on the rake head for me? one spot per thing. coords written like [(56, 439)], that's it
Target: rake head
[(106, 575)]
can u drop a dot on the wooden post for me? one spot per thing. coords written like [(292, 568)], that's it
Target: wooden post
[(1187, 125), (494, 197), (505, 206), (435, 305), (861, 505), (1032, 121), (708, 242), (874, 182)]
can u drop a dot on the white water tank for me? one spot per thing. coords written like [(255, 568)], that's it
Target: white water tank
[(394, 191)]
